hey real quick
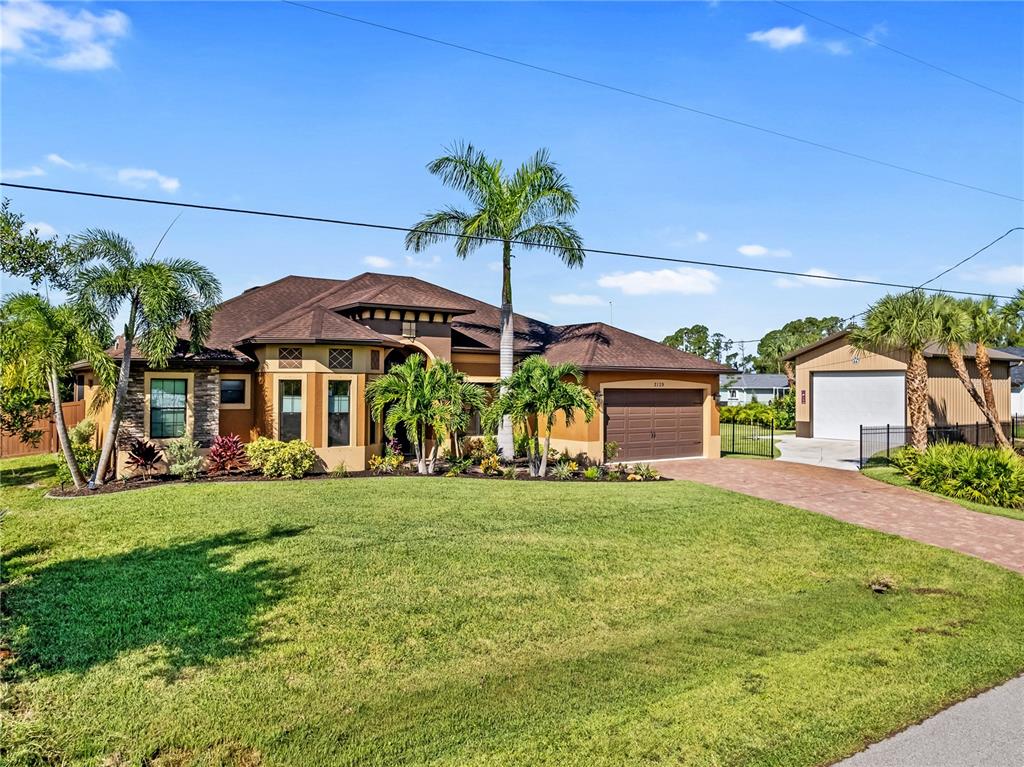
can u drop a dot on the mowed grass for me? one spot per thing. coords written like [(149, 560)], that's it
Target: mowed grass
[(744, 440), (466, 622)]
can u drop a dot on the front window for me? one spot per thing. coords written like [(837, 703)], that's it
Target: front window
[(340, 359), (290, 357), (289, 425), (409, 328), (375, 359), (232, 391), (167, 402), (337, 413)]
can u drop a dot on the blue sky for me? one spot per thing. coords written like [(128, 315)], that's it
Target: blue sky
[(269, 106)]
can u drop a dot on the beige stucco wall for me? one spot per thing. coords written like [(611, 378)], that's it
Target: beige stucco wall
[(949, 402)]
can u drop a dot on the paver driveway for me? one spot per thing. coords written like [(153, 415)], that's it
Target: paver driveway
[(854, 498)]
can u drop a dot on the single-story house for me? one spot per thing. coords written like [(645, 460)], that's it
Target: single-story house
[(1016, 380), (741, 388), (839, 388), (292, 359)]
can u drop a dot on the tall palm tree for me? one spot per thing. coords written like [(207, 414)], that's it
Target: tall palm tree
[(528, 208), (160, 296), (904, 322), (538, 392), (989, 324), (42, 341), (954, 332), (456, 399)]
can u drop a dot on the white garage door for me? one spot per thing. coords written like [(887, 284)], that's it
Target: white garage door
[(844, 401)]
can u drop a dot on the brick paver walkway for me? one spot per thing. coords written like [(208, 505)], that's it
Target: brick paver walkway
[(852, 497)]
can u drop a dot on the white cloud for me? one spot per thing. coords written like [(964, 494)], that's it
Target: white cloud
[(15, 173), (837, 47), (415, 263), (878, 30), (56, 159), (1010, 277), (779, 38), (686, 280), (140, 178), (760, 251), (378, 262), (43, 229), (57, 38), (494, 266), (799, 282), (702, 237), (577, 299)]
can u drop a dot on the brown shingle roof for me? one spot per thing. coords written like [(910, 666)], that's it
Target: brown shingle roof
[(597, 346), (931, 350), (304, 309)]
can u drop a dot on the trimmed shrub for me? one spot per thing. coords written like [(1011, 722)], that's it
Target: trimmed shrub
[(644, 472), (274, 458), (983, 475), (491, 465), (611, 451), (385, 464), (183, 459), (592, 473), (87, 457), (82, 433)]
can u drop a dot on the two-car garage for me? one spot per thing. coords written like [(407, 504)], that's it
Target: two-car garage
[(649, 424)]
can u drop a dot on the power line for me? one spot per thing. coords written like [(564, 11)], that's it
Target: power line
[(479, 238), (656, 100), (898, 52), (959, 263)]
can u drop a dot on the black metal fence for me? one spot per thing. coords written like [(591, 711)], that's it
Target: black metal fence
[(747, 439), (882, 441)]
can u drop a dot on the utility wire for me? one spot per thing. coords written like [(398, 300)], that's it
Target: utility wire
[(657, 100), (898, 52), (479, 238)]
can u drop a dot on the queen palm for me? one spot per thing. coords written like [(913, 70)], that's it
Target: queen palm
[(954, 332), (988, 324), (528, 209), (905, 322), (160, 297), (536, 394), (41, 342)]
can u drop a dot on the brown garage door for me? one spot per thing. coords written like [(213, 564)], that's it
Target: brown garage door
[(654, 423)]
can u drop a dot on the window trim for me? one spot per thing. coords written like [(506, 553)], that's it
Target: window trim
[(327, 412), (354, 410), (276, 424), (190, 391), (247, 402), (351, 354)]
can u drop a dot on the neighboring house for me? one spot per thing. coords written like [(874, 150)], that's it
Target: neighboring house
[(839, 388), (291, 360), (741, 388), (1016, 380)]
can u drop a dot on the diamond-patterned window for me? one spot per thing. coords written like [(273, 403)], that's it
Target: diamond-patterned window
[(340, 359), (289, 357)]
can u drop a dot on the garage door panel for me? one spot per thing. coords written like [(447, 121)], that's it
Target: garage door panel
[(842, 402), (649, 423)]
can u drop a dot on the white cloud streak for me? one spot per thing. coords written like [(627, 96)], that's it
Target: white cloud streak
[(43, 229), (685, 280), (780, 38), (801, 282), (140, 178), (15, 173), (577, 299), (55, 37), (378, 262), (760, 251)]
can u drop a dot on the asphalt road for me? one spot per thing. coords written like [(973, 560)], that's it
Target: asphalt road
[(986, 731)]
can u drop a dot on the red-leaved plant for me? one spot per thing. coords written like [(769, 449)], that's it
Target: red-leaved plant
[(143, 456), (227, 455)]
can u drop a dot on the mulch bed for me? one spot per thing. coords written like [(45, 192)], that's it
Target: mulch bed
[(159, 480)]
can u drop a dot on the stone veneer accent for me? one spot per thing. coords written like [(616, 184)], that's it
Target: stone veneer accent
[(205, 403)]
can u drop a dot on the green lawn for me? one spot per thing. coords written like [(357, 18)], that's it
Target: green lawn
[(882, 471), (452, 622)]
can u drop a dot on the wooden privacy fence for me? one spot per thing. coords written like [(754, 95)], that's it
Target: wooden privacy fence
[(11, 446)]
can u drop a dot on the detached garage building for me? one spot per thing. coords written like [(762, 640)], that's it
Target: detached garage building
[(839, 388)]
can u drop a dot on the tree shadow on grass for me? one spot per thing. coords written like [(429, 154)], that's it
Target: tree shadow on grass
[(188, 602)]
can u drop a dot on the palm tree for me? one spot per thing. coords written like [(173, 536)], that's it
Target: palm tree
[(537, 392), (161, 296), (904, 322), (988, 324), (43, 341), (954, 332), (425, 401), (529, 208)]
